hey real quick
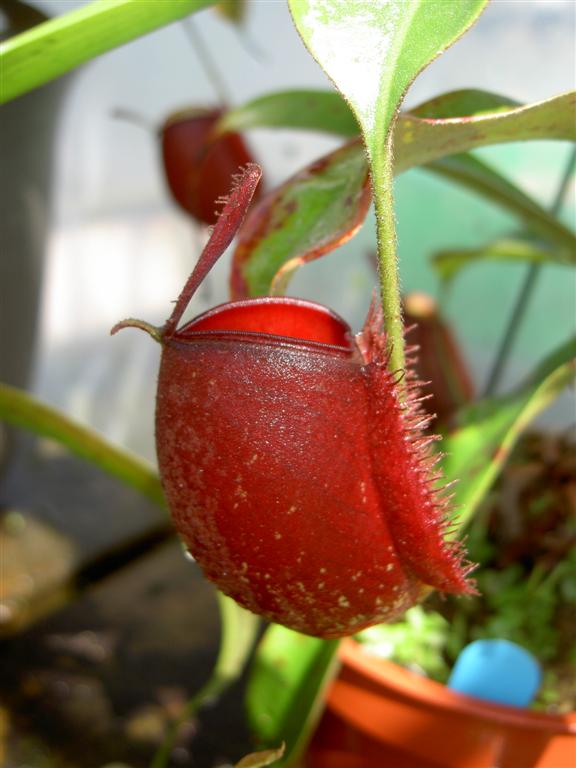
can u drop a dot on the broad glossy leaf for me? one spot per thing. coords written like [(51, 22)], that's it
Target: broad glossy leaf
[(316, 210), (449, 263), (289, 676), (476, 452), (55, 47), (471, 172)]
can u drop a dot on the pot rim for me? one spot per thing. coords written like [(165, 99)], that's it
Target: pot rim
[(404, 684)]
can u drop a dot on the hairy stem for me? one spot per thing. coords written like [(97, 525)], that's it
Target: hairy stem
[(382, 179)]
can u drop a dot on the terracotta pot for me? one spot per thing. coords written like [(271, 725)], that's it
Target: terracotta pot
[(381, 715)]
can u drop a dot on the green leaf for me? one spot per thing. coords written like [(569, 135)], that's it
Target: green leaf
[(471, 172), (328, 112), (416, 140), (449, 263), (462, 126), (324, 205), (324, 111), (477, 450), (467, 102), (238, 633), (22, 410), (288, 679), (49, 50), (445, 125), (372, 50), (313, 212)]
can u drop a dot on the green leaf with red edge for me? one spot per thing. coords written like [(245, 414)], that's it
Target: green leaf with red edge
[(316, 210), (460, 126), (288, 679), (488, 430), (301, 239), (449, 263)]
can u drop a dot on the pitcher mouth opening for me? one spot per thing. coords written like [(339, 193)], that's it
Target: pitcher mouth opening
[(287, 318)]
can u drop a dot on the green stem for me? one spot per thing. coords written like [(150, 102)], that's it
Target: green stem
[(55, 47), (22, 410), (382, 175)]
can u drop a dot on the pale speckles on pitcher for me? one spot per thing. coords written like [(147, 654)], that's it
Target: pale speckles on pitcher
[(297, 478)]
